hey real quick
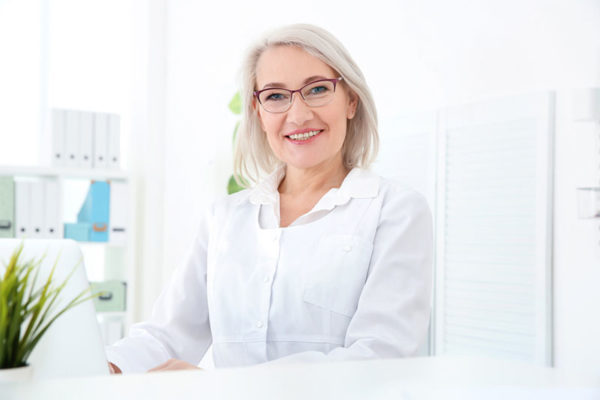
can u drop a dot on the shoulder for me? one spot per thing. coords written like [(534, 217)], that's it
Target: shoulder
[(396, 188), (226, 203), (400, 198)]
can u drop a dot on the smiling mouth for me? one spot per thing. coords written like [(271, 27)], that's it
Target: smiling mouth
[(304, 136)]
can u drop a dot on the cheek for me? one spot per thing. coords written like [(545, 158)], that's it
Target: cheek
[(266, 122), (338, 123), (271, 126)]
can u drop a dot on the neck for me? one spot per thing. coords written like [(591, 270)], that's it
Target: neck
[(320, 178)]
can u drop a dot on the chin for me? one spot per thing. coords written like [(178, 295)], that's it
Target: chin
[(305, 163)]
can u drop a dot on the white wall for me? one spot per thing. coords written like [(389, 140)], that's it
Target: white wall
[(416, 55), (20, 81)]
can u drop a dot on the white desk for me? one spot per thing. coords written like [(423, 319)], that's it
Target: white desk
[(416, 378)]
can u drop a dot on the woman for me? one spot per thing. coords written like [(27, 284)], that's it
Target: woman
[(322, 259)]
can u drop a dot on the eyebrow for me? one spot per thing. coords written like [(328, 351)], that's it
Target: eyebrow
[(307, 80)]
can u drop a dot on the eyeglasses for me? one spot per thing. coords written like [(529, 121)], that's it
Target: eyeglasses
[(314, 94)]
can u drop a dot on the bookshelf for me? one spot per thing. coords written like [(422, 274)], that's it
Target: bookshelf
[(65, 173), (103, 260)]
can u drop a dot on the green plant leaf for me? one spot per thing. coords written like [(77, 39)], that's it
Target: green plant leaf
[(54, 292), (27, 312), (235, 105), (37, 309), (28, 348), (233, 186)]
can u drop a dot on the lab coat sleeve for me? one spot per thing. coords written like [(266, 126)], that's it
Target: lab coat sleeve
[(394, 307), (179, 326)]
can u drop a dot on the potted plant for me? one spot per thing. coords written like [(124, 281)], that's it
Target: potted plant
[(27, 310)]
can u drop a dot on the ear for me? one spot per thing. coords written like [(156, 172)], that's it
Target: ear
[(352, 104)]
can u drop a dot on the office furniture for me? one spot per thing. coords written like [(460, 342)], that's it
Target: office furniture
[(411, 378), (113, 260)]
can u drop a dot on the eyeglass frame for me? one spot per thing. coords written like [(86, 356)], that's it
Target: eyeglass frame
[(257, 93)]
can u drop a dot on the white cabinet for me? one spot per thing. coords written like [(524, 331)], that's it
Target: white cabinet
[(104, 261)]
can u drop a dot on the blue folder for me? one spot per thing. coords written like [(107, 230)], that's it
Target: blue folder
[(95, 211), (79, 231)]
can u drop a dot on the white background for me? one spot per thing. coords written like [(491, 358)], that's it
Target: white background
[(169, 68)]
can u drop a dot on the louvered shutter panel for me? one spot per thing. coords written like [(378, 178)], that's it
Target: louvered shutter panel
[(494, 229)]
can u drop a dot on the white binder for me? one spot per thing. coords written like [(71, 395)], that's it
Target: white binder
[(100, 140), (86, 139), (22, 207), (58, 138), (72, 138), (52, 217), (37, 209), (119, 213), (114, 137)]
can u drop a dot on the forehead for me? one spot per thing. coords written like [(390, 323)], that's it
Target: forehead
[(290, 65)]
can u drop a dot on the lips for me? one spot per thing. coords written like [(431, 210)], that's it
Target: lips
[(302, 135)]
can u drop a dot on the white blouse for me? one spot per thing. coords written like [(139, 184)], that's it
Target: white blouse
[(351, 279)]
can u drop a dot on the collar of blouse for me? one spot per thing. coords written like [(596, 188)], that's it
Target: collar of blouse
[(359, 183)]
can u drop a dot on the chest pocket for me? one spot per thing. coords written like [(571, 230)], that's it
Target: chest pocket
[(335, 279)]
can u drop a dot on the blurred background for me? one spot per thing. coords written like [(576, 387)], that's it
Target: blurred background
[(491, 109)]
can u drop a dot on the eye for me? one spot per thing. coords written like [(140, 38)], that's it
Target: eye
[(274, 96), (318, 90)]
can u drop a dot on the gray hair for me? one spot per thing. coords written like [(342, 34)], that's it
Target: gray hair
[(253, 156)]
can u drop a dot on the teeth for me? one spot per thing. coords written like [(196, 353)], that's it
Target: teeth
[(303, 136)]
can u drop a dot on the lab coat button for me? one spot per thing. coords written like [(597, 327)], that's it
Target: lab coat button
[(259, 324), (347, 248)]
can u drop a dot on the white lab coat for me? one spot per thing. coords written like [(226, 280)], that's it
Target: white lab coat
[(351, 279)]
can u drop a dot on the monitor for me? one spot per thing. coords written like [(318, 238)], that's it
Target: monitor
[(72, 346)]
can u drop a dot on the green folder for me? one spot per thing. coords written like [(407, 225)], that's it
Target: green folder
[(7, 207)]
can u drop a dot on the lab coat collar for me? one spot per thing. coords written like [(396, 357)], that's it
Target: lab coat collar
[(266, 192), (359, 183)]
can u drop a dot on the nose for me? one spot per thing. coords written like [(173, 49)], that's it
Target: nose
[(299, 112)]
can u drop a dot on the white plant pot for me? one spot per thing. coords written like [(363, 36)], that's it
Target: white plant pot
[(16, 374)]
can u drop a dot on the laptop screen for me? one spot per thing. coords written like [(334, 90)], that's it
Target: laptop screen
[(72, 346)]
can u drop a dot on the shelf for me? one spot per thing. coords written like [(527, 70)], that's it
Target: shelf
[(63, 172), (111, 314), (117, 245), (102, 260)]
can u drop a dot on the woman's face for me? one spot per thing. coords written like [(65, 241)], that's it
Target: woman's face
[(290, 67)]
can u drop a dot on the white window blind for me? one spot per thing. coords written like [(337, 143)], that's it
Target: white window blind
[(494, 229)]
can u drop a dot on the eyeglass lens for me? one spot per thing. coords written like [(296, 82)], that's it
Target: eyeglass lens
[(315, 94)]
